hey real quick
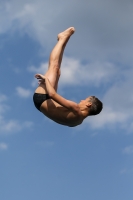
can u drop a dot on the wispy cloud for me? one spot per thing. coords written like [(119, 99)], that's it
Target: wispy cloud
[(13, 126), (128, 150), (3, 146), (25, 93), (112, 40), (73, 72), (3, 106), (126, 171), (10, 125), (108, 117), (117, 104), (41, 69), (3, 98), (26, 16)]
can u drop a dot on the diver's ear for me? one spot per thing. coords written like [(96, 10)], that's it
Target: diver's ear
[(89, 104)]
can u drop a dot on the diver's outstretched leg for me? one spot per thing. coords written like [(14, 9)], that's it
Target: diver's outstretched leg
[(56, 55), (55, 59)]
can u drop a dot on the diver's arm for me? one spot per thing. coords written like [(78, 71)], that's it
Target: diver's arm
[(55, 96)]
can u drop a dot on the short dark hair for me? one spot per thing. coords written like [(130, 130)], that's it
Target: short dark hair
[(96, 106)]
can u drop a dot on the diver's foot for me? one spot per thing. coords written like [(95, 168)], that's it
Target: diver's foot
[(66, 34)]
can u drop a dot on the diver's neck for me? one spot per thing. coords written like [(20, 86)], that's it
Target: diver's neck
[(85, 111)]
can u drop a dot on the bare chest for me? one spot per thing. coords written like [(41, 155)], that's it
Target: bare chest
[(59, 114)]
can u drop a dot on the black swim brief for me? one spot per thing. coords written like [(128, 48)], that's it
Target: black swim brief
[(38, 99)]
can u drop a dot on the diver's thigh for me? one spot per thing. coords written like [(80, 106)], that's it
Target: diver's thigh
[(53, 76)]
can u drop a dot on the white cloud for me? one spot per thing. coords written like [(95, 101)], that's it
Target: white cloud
[(104, 29), (23, 92), (108, 117), (3, 146), (26, 16), (126, 171), (103, 33), (117, 104), (76, 73), (41, 69), (3, 98), (73, 72), (12, 126), (3, 106), (128, 150)]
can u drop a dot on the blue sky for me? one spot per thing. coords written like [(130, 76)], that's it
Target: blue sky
[(40, 159)]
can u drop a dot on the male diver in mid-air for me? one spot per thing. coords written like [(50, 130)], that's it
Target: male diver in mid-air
[(50, 103)]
